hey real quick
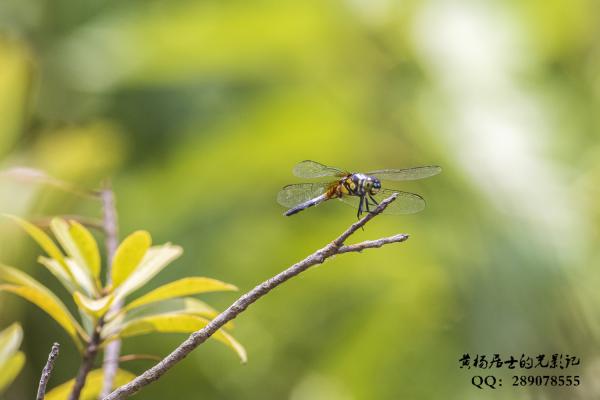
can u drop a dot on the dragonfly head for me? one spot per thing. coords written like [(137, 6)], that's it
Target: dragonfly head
[(375, 185)]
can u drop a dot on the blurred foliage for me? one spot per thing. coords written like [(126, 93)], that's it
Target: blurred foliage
[(198, 109), (11, 359)]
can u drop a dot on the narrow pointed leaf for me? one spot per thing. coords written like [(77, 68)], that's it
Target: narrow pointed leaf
[(88, 247), (128, 256), (56, 310), (23, 285), (57, 270), (92, 388), (163, 323), (10, 340), (180, 288), (229, 341), (61, 230), (82, 277), (155, 260), (184, 306), (177, 323), (10, 368), (92, 307), (43, 240)]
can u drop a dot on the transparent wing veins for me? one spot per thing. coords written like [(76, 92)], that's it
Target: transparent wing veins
[(406, 174), (312, 169), (292, 195)]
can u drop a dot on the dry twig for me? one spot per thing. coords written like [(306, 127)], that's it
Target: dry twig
[(47, 371), (200, 336)]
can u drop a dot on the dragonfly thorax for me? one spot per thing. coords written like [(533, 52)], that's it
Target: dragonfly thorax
[(362, 184)]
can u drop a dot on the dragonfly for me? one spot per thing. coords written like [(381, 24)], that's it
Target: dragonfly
[(362, 191)]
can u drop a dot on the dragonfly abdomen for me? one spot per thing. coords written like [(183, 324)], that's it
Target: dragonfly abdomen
[(306, 204)]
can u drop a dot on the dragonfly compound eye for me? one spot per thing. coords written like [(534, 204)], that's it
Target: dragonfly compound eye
[(376, 186)]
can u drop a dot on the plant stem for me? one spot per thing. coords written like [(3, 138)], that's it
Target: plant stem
[(111, 229), (89, 356), (110, 223)]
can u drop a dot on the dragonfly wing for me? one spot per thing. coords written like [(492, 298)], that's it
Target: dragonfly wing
[(292, 195), (313, 169), (407, 174), (405, 203)]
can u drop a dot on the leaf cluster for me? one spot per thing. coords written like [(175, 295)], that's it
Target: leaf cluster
[(73, 258)]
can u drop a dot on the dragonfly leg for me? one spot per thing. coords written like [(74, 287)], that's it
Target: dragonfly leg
[(360, 206), (367, 204), (373, 200)]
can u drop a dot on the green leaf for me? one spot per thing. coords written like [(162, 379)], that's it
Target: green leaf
[(178, 323), (88, 247), (43, 240), (229, 341), (180, 288), (25, 286), (92, 307), (10, 368), (10, 340), (57, 270), (92, 388), (82, 278), (155, 260), (70, 275), (129, 255), (78, 265), (185, 305)]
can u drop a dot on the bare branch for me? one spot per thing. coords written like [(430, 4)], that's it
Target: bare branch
[(47, 371), (89, 356), (200, 336), (37, 176), (372, 244), (111, 229)]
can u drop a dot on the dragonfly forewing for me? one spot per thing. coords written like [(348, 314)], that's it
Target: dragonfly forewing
[(311, 169), (406, 174)]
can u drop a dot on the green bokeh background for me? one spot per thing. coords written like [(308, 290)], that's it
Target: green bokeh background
[(198, 110)]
